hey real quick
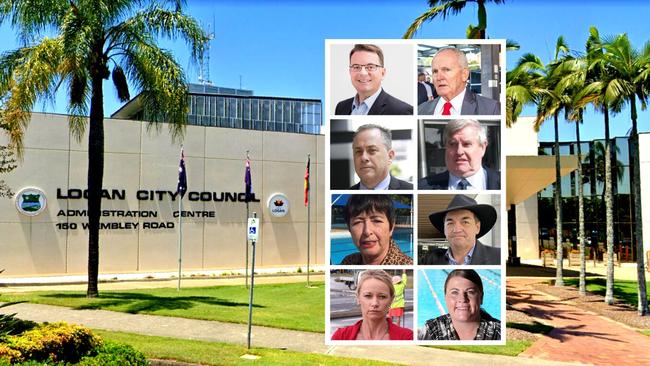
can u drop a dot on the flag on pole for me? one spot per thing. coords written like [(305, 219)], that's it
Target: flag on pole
[(307, 181), (182, 176), (248, 181)]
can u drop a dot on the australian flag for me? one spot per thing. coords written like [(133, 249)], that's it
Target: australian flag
[(182, 176), (248, 181)]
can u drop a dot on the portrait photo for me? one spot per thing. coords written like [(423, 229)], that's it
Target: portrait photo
[(459, 154), (378, 155), (459, 79), (459, 305), (371, 229), (371, 79), (371, 305), (459, 229)]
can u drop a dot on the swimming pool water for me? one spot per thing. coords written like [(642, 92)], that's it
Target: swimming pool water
[(429, 307), (343, 245)]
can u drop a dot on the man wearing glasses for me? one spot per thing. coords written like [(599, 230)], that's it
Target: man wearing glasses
[(367, 72)]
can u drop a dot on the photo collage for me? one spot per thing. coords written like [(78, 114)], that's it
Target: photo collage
[(415, 211)]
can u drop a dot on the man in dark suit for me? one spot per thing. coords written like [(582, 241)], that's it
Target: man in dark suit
[(366, 73), (463, 222), (465, 143), (450, 75), (373, 154), (426, 90)]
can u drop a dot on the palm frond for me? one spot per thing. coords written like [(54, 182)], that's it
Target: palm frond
[(443, 10), (164, 95)]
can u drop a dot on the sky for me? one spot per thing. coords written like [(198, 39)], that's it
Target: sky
[(276, 48)]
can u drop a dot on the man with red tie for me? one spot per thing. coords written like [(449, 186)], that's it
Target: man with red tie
[(450, 75)]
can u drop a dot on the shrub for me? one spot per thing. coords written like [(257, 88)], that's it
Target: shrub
[(10, 325), (55, 342), (8, 355), (114, 354)]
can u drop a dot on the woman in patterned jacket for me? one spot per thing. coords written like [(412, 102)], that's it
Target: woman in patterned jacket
[(465, 320)]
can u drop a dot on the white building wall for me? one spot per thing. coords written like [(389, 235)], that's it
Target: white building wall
[(521, 140), (139, 159)]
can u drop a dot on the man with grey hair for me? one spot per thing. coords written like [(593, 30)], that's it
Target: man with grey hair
[(373, 154), (450, 75), (465, 143)]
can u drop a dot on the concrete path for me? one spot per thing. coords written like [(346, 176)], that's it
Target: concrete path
[(262, 336), (579, 335)]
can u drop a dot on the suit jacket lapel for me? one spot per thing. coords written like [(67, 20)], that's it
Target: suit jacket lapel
[(469, 103), (379, 104)]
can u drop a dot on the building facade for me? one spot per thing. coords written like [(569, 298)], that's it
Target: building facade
[(534, 219), (140, 211)]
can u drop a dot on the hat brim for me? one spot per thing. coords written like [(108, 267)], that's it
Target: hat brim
[(486, 214)]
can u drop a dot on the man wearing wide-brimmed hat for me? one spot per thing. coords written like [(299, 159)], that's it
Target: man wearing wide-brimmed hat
[(463, 222)]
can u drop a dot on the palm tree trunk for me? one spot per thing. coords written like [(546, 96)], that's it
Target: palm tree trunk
[(638, 230), (581, 212), (95, 179), (559, 281), (609, 218)]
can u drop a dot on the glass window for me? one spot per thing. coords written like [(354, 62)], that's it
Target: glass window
[(266, 110), (622, 150), (255, 109), (286, 111), (221, 107), (200, 105), (278, 111)]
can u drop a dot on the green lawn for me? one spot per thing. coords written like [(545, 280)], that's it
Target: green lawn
[(210, 353), (512, 348), (625, 291), (289, 306)]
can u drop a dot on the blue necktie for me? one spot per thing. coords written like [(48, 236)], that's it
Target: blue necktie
[(462, 185)]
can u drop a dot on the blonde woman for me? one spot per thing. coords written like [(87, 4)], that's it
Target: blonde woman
[(375, 294)]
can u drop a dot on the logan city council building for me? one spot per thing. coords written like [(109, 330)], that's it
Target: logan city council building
[(44, 226)]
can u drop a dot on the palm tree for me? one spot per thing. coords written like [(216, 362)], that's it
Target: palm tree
[(522, 86), (92, 41), (600, 165), (551, 102), (572, 73), (630, 73), (602, 91), (446, 8)]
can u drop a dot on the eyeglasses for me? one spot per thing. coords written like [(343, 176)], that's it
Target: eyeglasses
[(368, 67)]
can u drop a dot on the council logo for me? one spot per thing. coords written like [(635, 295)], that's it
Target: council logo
[(30, 201), (278, 205)]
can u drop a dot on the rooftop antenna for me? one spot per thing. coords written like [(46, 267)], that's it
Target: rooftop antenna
[(204, 58)]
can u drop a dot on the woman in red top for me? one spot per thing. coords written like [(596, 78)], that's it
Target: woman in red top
[(375, 293)]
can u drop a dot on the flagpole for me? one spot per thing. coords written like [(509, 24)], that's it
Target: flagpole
[(246, 220), (308, 218), (180, 192), (180, 240)]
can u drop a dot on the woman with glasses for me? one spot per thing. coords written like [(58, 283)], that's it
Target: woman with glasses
[(465, 320)]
